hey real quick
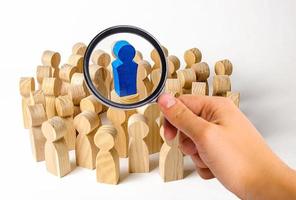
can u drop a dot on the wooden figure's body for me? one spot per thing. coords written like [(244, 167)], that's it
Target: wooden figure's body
[(119, 120), (56, 150), (107, 160), (86, 123), (138, 150), (124, 69), (65, 109), (36, 116), (153, 139)]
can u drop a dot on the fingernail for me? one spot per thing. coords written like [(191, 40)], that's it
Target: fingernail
[(166, 100)]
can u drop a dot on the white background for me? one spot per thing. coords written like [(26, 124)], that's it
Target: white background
[(259, 37)]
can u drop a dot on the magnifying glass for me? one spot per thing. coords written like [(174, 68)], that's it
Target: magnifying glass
[(127, 72)]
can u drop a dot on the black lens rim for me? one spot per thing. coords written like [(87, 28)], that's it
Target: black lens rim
[(125, 29)]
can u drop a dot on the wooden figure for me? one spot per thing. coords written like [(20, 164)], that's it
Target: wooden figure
[(199, 88), (37, 97), (107, 160), (144, 85), (90, 103), (102, 60), (76, 93), (65, 110), (202, 72), (77, 61), (186, 77), (51, 58), (155, 78), (79, 48), (78, 79), (155, 57), (138, 57), (51, 89), (56, 151), (221, 85), (170, 159), (66, 73), (99, 76), (234, 96), (119, 118), (36, 116), (223, 67), (173, 86), (124, 69), (138, 160), (41, 73), (86, 123), (192, 56), (173, 66), (153, 140), (26, 85)]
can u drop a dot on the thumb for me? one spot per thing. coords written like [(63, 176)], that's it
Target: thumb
[(181, 117)]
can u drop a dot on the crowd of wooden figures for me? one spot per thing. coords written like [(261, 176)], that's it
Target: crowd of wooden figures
[(62, 115)]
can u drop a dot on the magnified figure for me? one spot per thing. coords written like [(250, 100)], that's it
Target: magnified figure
[(124, 69)]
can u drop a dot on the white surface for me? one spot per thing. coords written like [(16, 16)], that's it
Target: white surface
[(259, 37)]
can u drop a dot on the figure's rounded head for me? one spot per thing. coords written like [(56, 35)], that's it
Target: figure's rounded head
[(124, 50)]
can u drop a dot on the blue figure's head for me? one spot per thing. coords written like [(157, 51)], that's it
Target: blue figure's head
[(124, 51)]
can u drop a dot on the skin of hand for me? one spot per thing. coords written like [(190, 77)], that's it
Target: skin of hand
[(225, 145)]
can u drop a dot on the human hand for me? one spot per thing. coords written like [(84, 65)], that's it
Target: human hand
[(224, 144)]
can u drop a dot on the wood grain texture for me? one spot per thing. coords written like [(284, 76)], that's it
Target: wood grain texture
[(50, 106), (86, 123), (66, 72), (37, 97), (221, 85), (56, 151), (199, 88), (186, 77), (26, 87), (64, 106), (153, 140), (138, 150), (173, 66), (192, 56), (144, 85), (223, 67), (173, 86), (202, 71), (51, 58), (100, 58), (79, 48), (119, 118), (43, 72), (51, 86), (77, 61), (90, 103), (234, 96), (37, 116), (155, 57), (107, 160), (86, 151), (170, 160)]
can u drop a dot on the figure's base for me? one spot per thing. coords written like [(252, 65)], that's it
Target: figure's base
[(126, 99)]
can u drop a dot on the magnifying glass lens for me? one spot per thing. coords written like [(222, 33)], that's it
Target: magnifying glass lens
[(124, 69)]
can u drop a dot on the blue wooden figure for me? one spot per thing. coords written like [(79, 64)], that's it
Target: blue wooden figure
[(124, 69)]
